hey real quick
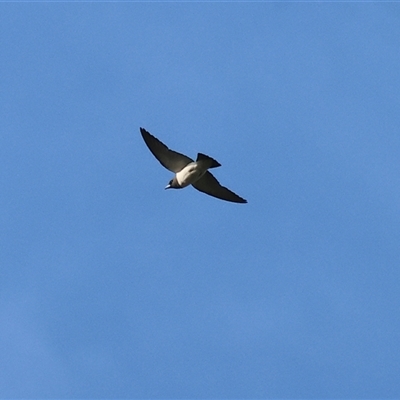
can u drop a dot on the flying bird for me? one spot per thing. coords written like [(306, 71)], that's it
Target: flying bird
[(189, 172)]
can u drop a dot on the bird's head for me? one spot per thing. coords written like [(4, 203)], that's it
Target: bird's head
[(173, 184)]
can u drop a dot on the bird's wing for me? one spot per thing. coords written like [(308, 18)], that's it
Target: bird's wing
[(209, 185), (170, 159)]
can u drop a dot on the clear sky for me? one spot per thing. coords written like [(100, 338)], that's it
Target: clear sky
[(113, 287)]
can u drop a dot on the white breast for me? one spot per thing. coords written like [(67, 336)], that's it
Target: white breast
[(191, 173)]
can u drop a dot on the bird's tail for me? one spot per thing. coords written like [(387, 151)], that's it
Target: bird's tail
[(213, 163)]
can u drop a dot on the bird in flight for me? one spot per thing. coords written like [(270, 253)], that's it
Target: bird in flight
[(189, 172)]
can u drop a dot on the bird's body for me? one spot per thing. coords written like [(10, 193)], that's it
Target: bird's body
[(194, 170), (189, 172)]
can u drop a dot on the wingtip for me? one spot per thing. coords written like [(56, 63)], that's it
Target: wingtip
[(240, 200), (146, 135)]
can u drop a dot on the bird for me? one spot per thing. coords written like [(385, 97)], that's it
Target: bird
[(189, 172)]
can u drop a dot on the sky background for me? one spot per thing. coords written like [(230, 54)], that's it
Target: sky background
[(113, 287)]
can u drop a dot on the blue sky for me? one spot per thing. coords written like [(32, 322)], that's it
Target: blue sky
[(113, 287)]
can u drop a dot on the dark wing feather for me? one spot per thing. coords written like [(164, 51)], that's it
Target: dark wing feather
[(170, 159), (209, 185)]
